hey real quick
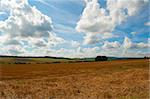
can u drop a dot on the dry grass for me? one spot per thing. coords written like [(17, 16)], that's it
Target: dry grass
[(122, 79)]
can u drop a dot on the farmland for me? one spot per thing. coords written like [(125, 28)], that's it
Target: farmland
[(117, 79), (41, 60)]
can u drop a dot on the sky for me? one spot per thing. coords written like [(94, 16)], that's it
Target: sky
[(75, 28)]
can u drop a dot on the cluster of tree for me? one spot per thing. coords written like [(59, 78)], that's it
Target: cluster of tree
[(101, 58), (146, 57)]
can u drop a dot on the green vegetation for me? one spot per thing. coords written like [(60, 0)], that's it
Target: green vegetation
[(13, 60), (48, 60)]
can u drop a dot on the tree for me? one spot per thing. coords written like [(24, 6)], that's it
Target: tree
[(101, 58)]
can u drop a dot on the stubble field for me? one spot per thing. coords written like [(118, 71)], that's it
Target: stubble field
[(118, 79)]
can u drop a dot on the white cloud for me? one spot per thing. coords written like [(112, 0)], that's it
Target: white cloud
[(29, 32), (147, 23), (142, 45), (76, 53), (92, 19), (108, 35), (111, 45), (98, 20), (91, 39), (12, 50), (75, 44), (133, 33), (26, 23), (120, 7), (95, 38), (4, 38), (128, 44), (125, 49)]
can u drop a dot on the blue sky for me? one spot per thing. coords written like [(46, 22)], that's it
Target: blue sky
[(64, 15), (75, 28)]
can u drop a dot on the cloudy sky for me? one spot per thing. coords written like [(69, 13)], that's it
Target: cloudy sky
[(75, 28)]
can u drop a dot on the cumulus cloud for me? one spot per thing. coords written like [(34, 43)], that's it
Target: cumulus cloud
[(128, 48), (92, 21), (26, 23), (77, 53), (24, 20), (128, 44), (12, 50), (97, 20), (111, 45), (27, 31), (75, 44), (91, 39), (4, 38)]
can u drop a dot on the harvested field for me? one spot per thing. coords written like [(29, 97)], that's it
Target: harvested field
[(118, 79)]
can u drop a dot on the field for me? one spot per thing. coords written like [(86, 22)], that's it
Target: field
[(117, 79), (42, 60)]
